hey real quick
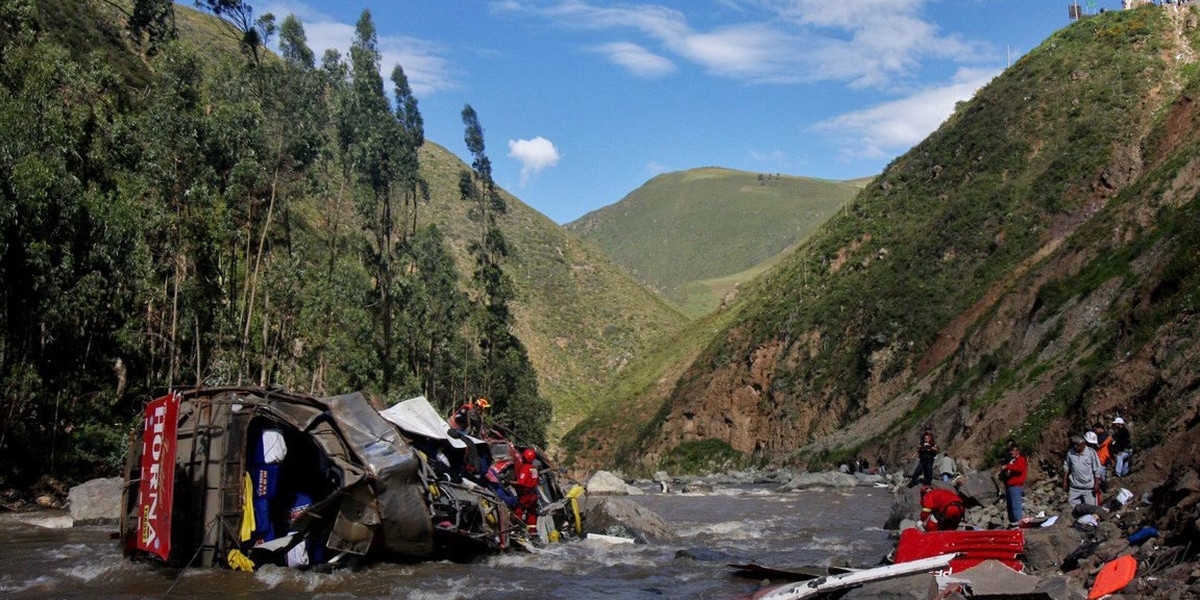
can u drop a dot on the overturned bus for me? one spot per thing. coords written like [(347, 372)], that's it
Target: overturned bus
[(241, 477)]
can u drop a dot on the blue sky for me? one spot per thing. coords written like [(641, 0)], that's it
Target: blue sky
[(582, 101)]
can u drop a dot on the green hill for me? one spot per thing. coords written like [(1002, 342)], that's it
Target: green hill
[(1025, 271), (694, 236)]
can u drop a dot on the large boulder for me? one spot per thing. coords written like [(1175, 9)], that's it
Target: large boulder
[(96, 502), (827, 479), (979, 489), (626, 518), (605, 483), (1047, 547)]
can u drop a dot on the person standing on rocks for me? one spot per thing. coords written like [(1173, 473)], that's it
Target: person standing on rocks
[(927, 450), (1101, 452), (1081, 473), (1012, 474), (1122, 447)]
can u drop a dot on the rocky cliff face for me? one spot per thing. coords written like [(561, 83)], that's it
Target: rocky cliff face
[(1028, 270)]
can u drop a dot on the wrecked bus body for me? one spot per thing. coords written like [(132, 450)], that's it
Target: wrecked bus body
[(241, 477)]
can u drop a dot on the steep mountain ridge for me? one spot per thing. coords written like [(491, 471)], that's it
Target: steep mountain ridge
[(1026, 270)]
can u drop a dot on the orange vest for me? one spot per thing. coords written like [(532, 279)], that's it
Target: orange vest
[(1102, 451)]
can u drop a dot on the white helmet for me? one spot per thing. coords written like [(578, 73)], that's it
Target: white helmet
[(1090, 437)]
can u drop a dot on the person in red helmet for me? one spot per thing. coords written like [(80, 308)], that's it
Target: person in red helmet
[(941, 509), (526, 485)]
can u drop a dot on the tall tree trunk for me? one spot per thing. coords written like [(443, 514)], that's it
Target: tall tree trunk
[(253, 284)]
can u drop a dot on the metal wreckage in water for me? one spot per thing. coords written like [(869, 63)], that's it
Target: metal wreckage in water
[(243, 477)]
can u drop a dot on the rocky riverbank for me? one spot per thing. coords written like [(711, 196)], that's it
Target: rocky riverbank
[(1155, 524)]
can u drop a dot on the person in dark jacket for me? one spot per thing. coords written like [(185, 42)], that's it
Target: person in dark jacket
[(1122, 447), (927, 450)]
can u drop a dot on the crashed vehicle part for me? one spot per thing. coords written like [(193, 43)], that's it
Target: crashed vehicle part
[(347, 483)]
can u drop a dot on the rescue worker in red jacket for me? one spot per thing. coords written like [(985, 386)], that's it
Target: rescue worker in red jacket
[(941, 509), (526, 485)]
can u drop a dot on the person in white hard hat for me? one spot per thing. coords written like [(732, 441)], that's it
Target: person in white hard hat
[(1094, 443), (1122, 447)]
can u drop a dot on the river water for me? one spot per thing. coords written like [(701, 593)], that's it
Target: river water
[(733, 524)]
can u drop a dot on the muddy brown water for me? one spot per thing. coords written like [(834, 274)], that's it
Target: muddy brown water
[(729, 525)]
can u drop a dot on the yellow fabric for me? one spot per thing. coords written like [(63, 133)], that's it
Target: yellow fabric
[(574, 495), (248, 522), (239, 562)]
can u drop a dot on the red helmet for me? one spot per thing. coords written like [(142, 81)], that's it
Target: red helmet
[(529, 455)]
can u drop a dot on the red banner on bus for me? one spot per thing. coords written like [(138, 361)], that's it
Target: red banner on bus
[(158, 476)]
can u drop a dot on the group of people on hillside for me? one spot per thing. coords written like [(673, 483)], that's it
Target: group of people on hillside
[(1085, 473), (1085, 468)]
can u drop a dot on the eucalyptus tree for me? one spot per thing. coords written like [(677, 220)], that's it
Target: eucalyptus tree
[(506, 374), (251, 34), (413, 187), (291, 115), (373, 138)]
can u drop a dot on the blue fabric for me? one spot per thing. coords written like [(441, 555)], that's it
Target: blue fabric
[(1143, 534), (265, 481), (1014, 497), (505, 496)]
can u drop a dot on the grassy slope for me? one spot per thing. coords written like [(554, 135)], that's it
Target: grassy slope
[(694, 235), (579, 315), (929, 236)]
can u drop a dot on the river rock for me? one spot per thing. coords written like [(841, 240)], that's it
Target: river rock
[(1046, 547), (604, 483), (1059, 587), (868, 478), (626, 518), (922, 586), (979, 489), (96, 502), (827, 479)]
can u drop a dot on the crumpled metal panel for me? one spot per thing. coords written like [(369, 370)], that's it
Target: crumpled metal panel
[(357, 519), (406, 524)]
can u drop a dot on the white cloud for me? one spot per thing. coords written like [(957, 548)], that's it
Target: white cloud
[(653, 168), (428, 71), (637, 60), (534, 155), (893, 127), (868, 43)]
